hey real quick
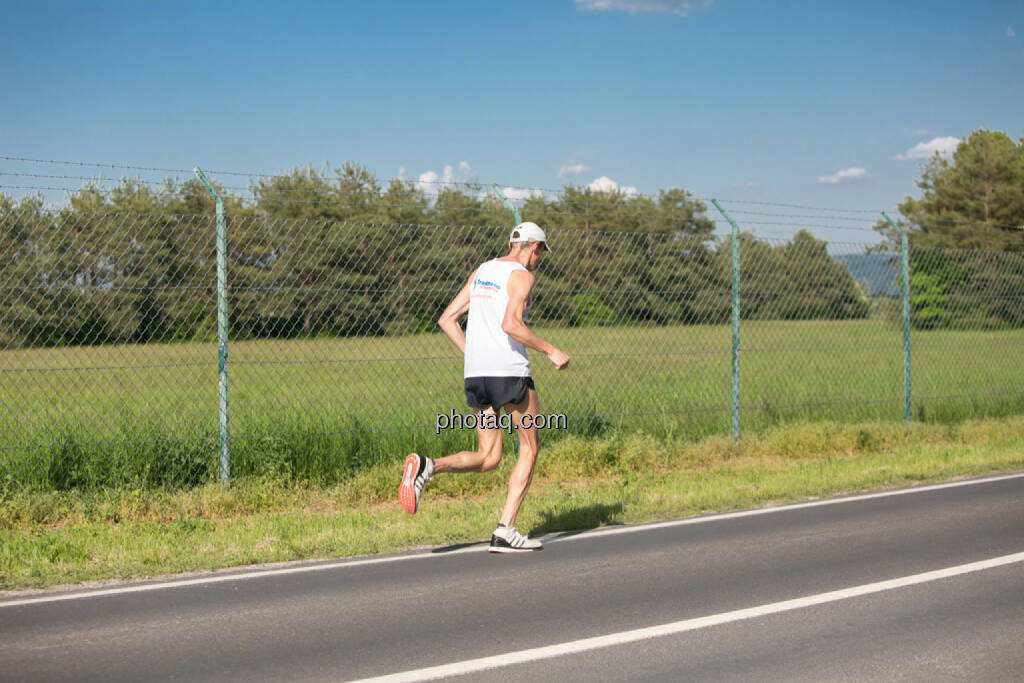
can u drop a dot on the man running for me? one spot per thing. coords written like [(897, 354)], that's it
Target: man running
[(497, 376)]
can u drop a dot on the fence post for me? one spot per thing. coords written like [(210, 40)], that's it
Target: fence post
[(222, 334), (735, 401), (905, 256), (508, 204)]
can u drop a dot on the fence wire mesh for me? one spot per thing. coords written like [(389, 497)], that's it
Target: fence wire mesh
[(815, 341), (108, 348), (967, 310)]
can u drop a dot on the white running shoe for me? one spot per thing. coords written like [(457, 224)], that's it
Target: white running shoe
[(416, 472), (506, 539)]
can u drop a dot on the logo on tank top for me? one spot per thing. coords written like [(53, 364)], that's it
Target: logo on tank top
[(486, 285)]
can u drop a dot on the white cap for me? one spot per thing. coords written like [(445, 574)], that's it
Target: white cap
[(528, 232)]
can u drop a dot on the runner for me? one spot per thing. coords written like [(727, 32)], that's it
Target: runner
[(497, 376)]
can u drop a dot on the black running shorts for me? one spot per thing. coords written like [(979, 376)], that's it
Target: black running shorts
[(487, 392)]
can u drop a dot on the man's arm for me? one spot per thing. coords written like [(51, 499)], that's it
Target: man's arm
[(520, 283), (449, 320)]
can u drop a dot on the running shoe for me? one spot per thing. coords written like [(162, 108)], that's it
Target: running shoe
[(415, 474), (506, 539)]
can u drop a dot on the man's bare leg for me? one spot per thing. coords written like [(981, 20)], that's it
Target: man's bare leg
[(529, 446), (484, 459)]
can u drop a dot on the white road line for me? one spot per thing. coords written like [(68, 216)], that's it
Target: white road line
[(677, 627), (203, 580), (355, 564)]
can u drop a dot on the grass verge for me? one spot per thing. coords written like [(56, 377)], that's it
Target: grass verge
[(68, 537)]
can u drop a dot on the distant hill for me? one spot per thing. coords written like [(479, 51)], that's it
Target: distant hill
[(879, 272)]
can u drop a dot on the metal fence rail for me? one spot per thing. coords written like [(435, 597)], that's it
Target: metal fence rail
[(109, 355)]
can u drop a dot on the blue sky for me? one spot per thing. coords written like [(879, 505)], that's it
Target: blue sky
[(824, 104)]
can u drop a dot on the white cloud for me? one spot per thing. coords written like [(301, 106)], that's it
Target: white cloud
[(606, 184), (924, 150), (401, 174), (680, 8), (572, 169), (1010, 33), (520, 194), (847, 175), (430, 183)]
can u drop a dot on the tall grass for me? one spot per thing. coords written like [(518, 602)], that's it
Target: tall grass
[(60, 536), (323, 409)]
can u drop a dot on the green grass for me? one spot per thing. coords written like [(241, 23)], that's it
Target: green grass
[(55, 537), (322, 410)]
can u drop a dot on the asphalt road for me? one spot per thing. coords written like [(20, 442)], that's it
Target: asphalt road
[(351, 620)]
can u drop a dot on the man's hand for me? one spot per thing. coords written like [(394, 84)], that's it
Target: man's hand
[(520, 283), (559, 358)]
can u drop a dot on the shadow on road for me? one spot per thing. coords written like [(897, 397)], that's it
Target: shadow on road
[(460, 546), (578, 519)]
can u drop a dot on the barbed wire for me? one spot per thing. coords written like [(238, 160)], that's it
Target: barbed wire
[(815, 226), (261, 174), (476, 184), (121, 166), (68, 189), (374, 204), (743, 212), (798, 206), (261, 194), (641, 217), (90, 180), (73, 177), (965, 223)]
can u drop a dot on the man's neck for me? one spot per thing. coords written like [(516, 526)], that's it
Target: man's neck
[(522, 257)]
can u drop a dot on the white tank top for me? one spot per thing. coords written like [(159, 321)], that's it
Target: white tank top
[(489, 351)]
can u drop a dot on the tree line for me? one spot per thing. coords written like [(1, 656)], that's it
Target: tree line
[(318, 253), (318, 256)]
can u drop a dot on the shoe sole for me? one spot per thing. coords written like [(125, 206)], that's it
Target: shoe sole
[(406, 492), (510, 551)]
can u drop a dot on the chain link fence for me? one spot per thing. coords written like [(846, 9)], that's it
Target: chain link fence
[(109, 350)]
